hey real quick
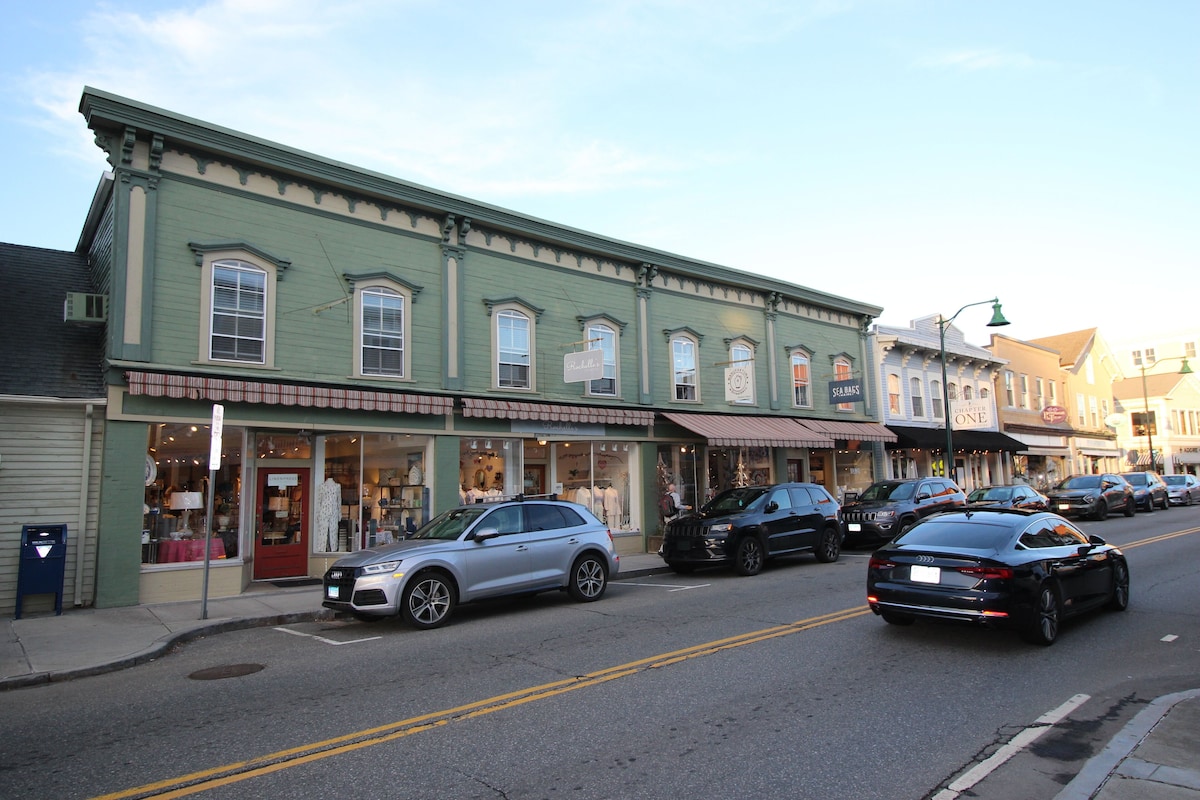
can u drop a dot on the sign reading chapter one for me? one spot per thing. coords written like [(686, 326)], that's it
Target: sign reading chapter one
[(971, 414), (586, 365)]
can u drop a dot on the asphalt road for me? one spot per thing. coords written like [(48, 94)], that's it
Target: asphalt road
[(708, 685)]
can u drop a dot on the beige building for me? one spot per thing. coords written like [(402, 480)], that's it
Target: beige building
[(1088, 369), (1030, 406), (1172, 429)]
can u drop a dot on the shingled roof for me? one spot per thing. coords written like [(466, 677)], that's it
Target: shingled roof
[(40, 354)]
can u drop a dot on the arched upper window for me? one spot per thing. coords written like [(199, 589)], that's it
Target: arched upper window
[(382, 312), (514, 350), (918, 404), (893, 392), (603, 338), (842, 372), (685, 376), (935, 399), (801, 380)]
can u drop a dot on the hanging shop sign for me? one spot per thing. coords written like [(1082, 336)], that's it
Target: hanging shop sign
[(847, 391), (1052, 415), (738, 386), (586, 365)]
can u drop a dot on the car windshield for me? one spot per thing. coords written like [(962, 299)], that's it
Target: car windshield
[(1176, 480), (968, 533), (1136, 478), (732, 501), (449, 524), (1081, 482), (889, 491), (992, 493)]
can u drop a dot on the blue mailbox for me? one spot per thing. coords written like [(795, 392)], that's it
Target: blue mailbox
[(43, 563)]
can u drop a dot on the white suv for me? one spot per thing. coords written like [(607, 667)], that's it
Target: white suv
[(519, 546)]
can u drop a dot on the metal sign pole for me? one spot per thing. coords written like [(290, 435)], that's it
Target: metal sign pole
[(214, 464)]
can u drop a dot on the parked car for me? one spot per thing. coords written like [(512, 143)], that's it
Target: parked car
[(1013, 496), (998, 567), (746, 526), (473, 552), (1182, 490), (887, 508), (1149, 490), (1093, 496)]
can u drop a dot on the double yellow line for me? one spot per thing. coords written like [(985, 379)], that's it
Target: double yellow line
[(227, 774), (1154, 539)]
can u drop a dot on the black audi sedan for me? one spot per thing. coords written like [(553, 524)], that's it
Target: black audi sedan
[(1001, 567)]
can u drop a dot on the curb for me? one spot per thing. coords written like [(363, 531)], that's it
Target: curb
[(161, 646)]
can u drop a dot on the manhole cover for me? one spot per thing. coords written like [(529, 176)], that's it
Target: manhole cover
[(226, 671)]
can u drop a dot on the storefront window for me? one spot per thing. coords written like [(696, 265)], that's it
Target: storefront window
[(596, 475), (738, 466), (488, 469), (176, 499), (340, 495), (283, 445), (395, 489), (853, 472)]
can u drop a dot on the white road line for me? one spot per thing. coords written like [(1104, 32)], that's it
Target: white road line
[(1015, 745), (323, 639), (1170, 637), (674, 587)]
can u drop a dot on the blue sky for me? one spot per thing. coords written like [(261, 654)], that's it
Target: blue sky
[(914, 154)]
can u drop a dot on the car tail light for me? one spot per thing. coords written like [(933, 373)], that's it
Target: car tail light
[(881, 563), (987, 573), (872, 598), (1000, 614)]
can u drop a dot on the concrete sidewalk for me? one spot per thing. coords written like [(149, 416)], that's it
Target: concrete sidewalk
[(1156, 756)]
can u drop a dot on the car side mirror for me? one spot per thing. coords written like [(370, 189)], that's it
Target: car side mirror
[(1096, 540), (483, 534), (772, 507), (923, 496)]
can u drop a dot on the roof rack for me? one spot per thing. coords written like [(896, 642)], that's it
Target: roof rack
[(520, 498)]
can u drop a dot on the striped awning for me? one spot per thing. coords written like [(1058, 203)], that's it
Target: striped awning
[(743, 430), (197, 387), (548, 412), (842, 429)]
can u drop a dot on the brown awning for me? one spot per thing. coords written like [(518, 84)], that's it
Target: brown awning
[(511, 409), (743, 430), (196, 387), (840, 429)]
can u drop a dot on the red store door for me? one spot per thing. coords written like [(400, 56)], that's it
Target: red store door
[(281, 524)]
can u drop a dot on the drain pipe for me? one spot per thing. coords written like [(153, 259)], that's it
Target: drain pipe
[(85, 481)]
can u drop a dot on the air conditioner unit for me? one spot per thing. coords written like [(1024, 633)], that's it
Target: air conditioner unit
[(84, 307)]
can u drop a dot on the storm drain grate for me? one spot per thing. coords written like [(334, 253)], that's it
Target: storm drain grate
[(225, 671)]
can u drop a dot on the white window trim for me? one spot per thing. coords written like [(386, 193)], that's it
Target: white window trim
[(209, 258), (695, 343), (601, 322), (406, 295), (808, 360), (842, 361), (531, 315)]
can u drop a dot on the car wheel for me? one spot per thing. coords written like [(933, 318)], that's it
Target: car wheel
[(1166, 504), (427, 601), (1120, 589), (905, 524), (588, 579), (681, 569), (892, 618), (830, 546), (1150, 504), (1129, 507), (748, 558), (1101, 512), (1043, 628)]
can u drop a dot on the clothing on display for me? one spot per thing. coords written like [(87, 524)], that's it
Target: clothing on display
[(329, 513)]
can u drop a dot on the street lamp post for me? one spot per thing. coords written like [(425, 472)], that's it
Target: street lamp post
[(1183, 370), (997, 321)]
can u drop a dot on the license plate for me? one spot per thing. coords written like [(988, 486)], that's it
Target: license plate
[(1063, 506), (920, 574), (332, 592), (854, 526)]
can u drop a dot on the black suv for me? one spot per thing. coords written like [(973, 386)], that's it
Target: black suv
[(1092, 496), (888, 508), (746, 526)]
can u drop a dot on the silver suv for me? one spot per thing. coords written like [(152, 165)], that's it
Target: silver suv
[(519, 546)]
